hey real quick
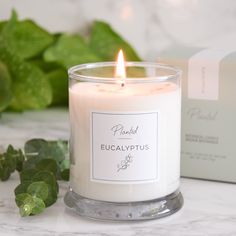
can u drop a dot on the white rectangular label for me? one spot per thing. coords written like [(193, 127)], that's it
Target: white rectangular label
[(124, 147), (203, 74)]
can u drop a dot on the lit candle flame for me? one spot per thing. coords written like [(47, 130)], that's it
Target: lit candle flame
[(120, 68)]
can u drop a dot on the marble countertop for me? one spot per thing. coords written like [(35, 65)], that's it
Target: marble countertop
[(209, 208)]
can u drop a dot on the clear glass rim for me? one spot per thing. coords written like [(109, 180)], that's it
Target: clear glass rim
[(174, 73)]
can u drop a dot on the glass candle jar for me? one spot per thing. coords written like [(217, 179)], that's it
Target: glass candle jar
[(125, 141)]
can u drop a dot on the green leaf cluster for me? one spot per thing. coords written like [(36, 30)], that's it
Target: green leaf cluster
[(40, 165), (28, 87), (10, 161), (34, 63), (48, 156)]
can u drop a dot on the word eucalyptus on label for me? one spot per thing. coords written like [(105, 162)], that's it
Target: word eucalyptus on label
[(125, 148)]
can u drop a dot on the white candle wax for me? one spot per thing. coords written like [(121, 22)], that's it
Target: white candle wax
[(162, 99)]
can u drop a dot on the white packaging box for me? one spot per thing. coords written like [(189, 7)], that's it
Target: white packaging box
[(208, 139)]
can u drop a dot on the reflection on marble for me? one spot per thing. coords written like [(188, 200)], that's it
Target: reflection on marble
[(150, 25), (209, 208)]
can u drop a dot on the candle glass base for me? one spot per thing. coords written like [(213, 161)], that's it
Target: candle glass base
[(124, 211)]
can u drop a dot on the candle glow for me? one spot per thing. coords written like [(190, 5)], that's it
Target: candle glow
[(120, 71)]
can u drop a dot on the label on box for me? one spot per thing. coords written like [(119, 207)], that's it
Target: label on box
[(203, 73), (124, 147)]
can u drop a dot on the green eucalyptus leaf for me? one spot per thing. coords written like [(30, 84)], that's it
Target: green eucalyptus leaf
[(22, 188), (5, 173), (53, 188), (46, 67), (70, 50), (57, 150), (46, 177), (38, 189), (25, 210), (19, 199), (65, 170), (39, 206), (35, 148), (2, 25), (5, 87), (52, 195), (27, 175), (30, 88), (30, 163), (25, 38), (47, 165), (37, 90), (9, 161), (106, 43), (59, 82), (24, 198), (15, 158), (65, 174), (65, 164), (20, 158), (42, 149), (10, 158)]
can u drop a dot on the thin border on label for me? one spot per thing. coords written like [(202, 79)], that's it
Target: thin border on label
[(92, 151)]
